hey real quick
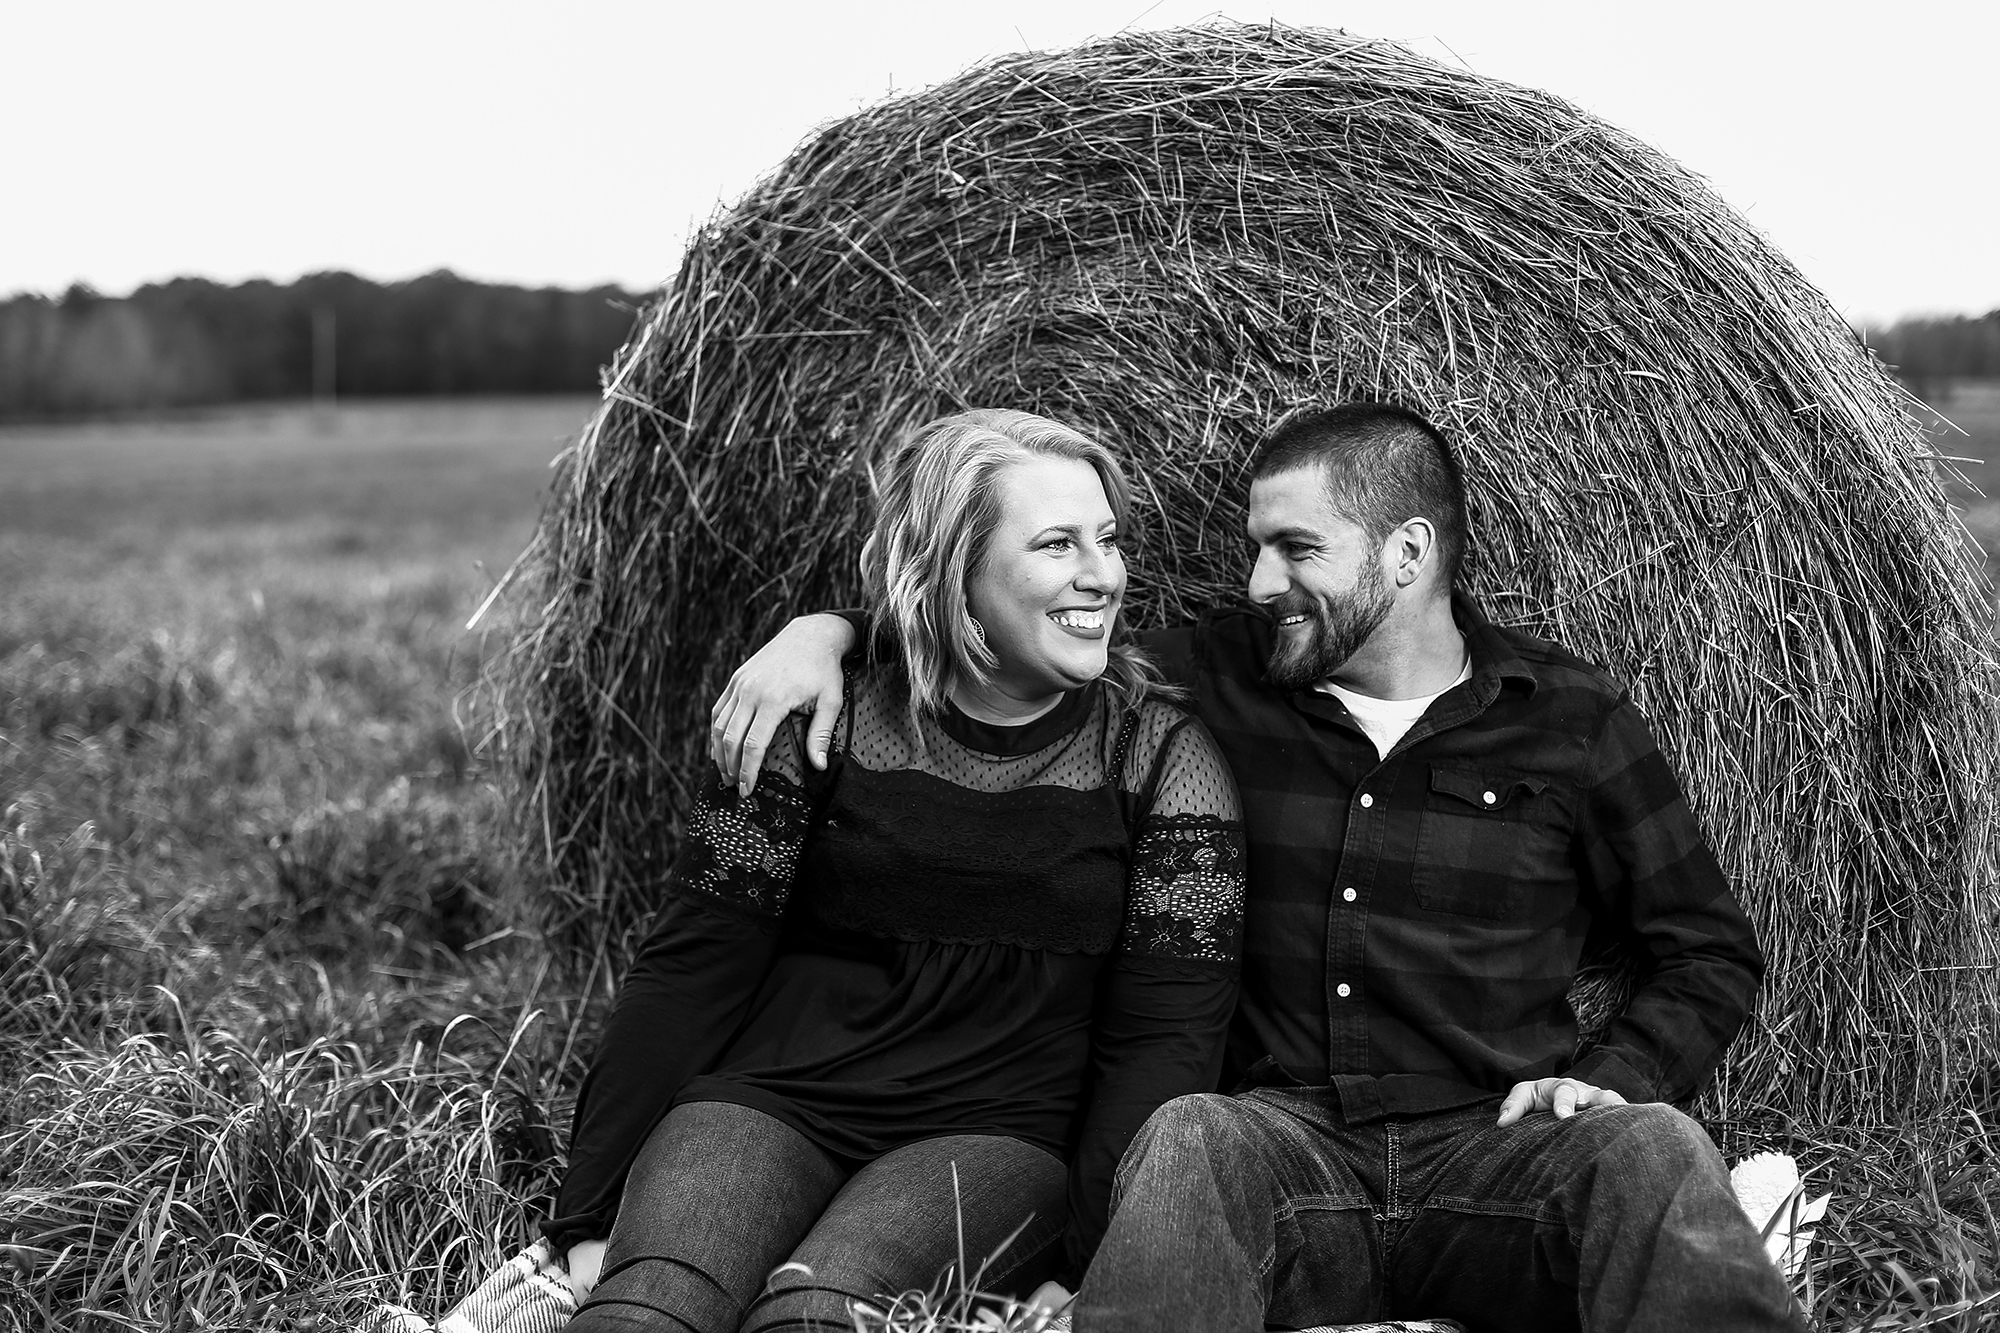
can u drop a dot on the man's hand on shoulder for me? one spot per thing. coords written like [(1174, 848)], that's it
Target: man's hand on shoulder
[(796, 672), (1563, 1096)]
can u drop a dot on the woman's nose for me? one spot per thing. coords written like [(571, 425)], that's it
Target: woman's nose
[(1099, 571)]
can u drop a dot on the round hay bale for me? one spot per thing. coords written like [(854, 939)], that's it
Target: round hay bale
[(1682, 465)]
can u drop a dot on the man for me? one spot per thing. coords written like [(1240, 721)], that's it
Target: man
[(1439, 813)]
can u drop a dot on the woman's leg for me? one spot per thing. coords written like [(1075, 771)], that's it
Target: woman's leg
[(895, 1226), (719, 1196)]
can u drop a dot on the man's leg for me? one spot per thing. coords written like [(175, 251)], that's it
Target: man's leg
[(1229, 1210), (1617, 1218), (717, 1198), (897, 1224)]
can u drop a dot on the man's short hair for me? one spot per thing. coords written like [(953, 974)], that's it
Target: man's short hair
[(1383, 465)]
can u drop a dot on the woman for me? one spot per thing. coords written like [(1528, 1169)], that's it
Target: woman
[(887, 1000)]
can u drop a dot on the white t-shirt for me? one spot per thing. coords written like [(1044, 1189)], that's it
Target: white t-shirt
[(1385, 720)]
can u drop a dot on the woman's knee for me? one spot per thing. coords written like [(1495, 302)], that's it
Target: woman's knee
[(795, 1299)]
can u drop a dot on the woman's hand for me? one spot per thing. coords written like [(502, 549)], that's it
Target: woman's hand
[(796, 671), (1562, 1096), (583, 1263)]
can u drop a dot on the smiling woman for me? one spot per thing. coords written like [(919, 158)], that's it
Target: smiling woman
[(915, 1004), (995, 564)]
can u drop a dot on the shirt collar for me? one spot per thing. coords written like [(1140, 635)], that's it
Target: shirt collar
[(1494, 658), (1006, 742)]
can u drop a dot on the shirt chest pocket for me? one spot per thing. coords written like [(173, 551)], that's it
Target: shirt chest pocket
[(1493, 845)]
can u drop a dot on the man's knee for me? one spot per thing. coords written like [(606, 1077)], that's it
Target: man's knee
[(1654, 1151), (1197, 1127)]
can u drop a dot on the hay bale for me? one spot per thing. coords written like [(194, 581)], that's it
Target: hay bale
[(1682, 465)]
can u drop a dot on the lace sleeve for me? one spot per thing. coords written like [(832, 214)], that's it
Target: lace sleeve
[(743, 851), (1171, 988), (1184, 897)]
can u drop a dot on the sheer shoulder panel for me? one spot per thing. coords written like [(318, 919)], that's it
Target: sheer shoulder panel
[(1185, 898), (1069, 748), (743, 851)]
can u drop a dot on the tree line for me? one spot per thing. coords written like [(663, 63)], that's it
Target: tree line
[(192, 341), (1929, 353)]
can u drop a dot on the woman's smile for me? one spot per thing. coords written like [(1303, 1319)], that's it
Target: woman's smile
[(1083, 624)]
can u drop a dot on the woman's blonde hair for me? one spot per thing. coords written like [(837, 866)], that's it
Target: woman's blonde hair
[(937, 502)]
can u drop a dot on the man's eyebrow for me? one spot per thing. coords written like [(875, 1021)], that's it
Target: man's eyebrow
[(1306, 535)]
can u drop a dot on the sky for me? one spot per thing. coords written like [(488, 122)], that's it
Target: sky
[(579, 142)]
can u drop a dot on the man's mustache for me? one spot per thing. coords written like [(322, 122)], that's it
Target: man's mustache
[(1293, 603)]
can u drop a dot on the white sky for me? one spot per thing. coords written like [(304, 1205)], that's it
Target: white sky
[(577, 142)]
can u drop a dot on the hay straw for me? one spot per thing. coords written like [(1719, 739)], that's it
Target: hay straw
[(1683, 465)]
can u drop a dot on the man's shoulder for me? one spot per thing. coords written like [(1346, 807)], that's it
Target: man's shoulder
[(1556, 667), (1233, 641)]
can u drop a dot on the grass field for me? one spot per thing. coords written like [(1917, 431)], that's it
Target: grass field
[(275, 1041), (1970, 436), (248, 865)]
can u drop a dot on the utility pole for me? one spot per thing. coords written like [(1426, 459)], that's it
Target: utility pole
[(323, 362)]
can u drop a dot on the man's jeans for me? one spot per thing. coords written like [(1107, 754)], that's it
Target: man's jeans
[(721, 1195), (1232, 1214)]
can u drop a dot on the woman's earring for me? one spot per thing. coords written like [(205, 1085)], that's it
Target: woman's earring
[(978, 630)]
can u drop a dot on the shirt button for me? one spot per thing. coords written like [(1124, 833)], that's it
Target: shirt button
[(1341, 990), (1491, 798), (1348, 894), (1366, 800)]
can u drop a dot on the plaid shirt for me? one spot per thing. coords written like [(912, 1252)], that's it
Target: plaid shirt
[(1413, 924)]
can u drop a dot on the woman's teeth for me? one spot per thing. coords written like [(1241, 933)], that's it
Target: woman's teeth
[(1078, 619)]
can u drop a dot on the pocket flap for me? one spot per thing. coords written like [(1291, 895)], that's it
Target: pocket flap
[(1484, 791)]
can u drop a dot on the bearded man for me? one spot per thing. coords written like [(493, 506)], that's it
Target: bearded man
[(1440, 813)]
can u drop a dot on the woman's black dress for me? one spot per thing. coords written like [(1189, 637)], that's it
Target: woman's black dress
[(957, 928)]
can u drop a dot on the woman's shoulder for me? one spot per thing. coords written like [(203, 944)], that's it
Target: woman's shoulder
[(1156, 715), (876, 712), (1160, 732)]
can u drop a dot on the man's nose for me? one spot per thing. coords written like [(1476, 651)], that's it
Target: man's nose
[(1268, 579)]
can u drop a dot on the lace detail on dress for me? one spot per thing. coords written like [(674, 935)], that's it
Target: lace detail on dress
[(1185, 896), (745, 850)]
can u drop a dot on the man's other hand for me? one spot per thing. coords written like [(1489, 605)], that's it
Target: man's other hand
[(796, 672), (1564, 1096), (1051, 1300)]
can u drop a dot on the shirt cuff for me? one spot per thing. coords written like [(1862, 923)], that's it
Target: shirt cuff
[(1602, 1068)]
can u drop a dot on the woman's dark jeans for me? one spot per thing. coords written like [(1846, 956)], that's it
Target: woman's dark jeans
[(722, 1195), (1234, 1214)]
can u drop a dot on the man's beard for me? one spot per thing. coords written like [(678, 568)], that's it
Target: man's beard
[(1334, 629)]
